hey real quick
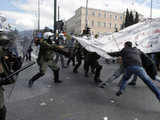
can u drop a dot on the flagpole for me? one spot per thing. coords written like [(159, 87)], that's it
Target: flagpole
[(55, 18), (86, 14), (151, 10), (38, 15)]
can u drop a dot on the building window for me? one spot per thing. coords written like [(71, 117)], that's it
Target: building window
[(92, 23), (121, 17), (93, 13), (115, 26), (98, 24), (120, 25), (99, 14), (104, 24), (110, 16), (110, 25), (116, 17), (104, 15)]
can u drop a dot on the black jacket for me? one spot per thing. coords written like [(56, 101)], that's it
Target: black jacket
[(130, 56), (133, 56)]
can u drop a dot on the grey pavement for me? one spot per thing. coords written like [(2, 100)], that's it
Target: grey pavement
[(78, 98)]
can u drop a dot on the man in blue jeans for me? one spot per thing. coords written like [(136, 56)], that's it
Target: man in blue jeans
[(131, 58)]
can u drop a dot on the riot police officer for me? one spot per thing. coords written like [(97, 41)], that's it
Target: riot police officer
[(78, 51), (70, 46), (91, 60), (45, 58), (4, 71)]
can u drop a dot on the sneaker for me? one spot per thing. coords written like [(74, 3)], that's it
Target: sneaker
[(132, 84), (30, 83), (119, 93)]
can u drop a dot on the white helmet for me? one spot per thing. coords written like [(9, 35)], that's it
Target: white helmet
[(46, 35)]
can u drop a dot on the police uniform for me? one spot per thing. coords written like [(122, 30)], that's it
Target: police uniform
[(60, 41), (4, 40), (91, 60), (78, 51), (70, 46), (45, 59)]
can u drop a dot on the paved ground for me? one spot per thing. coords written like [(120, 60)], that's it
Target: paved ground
[(78, 98)]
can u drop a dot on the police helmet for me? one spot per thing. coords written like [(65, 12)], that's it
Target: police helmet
[(4, 39), (11, 35), (47, 35)]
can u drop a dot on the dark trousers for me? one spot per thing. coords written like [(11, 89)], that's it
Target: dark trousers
[(89, 63), (71, 59), (95, 65), (3, 113), (79, 61)]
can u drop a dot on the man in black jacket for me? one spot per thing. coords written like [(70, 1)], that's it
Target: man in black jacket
[(91, 60), (131, 58)]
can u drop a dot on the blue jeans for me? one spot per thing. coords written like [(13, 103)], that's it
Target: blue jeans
[(140, 72)]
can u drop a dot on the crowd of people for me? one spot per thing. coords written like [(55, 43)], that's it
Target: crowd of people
[(65, 46), (132, 61)]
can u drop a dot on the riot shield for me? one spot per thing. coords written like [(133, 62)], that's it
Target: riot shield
[(19, 46)]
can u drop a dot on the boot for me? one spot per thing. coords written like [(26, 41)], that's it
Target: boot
[(56, 77), (97, 80), (86, 74), (3, 113), (75, 69), (119, 93), (34, 78), (97, 75), (93, 71)]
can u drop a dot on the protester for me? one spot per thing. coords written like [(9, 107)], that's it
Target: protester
[(131, 57)]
